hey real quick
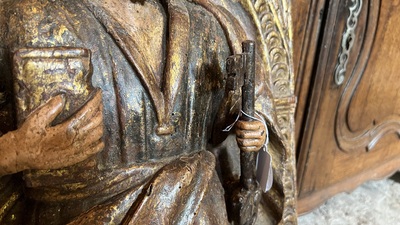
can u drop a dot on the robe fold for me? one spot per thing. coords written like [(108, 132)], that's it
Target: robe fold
[(142, 176)]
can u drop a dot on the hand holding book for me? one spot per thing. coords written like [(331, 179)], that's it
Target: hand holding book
[(38, 145)]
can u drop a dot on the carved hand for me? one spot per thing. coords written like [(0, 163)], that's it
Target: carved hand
[(250, 135), (38, 145)]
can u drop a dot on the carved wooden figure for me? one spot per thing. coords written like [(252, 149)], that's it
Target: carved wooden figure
[(109, 110)]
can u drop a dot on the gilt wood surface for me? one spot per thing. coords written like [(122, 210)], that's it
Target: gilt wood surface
[(111, 26), (352, 130)]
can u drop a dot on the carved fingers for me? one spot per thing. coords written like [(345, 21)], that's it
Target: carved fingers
[(81, 135), (51, 147), (83, 116), (250, 135), (28, 138), (46, 113)]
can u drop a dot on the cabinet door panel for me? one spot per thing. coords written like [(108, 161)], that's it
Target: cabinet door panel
[(353, 124), (376, 99)]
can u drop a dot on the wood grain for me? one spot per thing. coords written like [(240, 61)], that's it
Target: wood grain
[(307, 18), (344, 121)]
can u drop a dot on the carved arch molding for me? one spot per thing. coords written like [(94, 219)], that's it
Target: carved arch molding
[(350, 139)]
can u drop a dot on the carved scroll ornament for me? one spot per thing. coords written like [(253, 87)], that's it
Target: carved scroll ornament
[(347, 139)]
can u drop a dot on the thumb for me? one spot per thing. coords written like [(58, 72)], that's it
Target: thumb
[(50, 110)]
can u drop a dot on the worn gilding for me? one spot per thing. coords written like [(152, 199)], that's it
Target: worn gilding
[(164, 99)]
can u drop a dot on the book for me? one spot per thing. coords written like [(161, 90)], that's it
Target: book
[(40, 73)]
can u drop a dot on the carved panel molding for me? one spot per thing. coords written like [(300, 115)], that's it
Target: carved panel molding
[(367, 138)]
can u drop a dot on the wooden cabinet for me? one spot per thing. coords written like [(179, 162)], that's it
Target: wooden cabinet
[(347, 59)]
